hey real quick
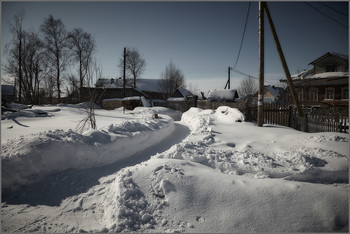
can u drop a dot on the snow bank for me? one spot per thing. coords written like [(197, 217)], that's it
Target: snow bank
[(219, 142), (25, 113), (182, 196), (31, 157)]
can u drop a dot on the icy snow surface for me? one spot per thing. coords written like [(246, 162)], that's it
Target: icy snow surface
[(211, 172)]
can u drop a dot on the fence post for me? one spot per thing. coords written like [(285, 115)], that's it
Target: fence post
[(290, 116)]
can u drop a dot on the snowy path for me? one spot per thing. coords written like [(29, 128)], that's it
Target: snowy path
[(212, 173), (55, 188)]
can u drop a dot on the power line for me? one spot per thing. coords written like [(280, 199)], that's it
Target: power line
[(329, 17), (342, 13), (256, 78), (245, 26)]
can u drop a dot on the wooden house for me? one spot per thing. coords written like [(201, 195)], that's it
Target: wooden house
[(272, 94), (326, 84)]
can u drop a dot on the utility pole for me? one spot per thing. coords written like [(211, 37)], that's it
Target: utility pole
[(124, 72), (228, 83), (283, 60), (261, 66)]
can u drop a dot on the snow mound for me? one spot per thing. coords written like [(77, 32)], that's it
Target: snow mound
[(31, 157), (196, 118), (227, 115), (199, 119), (182, 196)]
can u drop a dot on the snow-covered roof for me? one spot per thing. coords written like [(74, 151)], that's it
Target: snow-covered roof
[(309, 74), (144, 85), (222, 95), (176, 99)]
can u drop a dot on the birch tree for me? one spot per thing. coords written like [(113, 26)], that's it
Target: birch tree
[(54, 41)]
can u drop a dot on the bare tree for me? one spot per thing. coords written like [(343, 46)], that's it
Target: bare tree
[(247, 87), (15, 52), (134, 63), (172, 79), (89, 121), (82, 46), (24, 61), (33, 65), (54, 41)]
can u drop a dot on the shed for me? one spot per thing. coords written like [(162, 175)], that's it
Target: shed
[(180, 94)]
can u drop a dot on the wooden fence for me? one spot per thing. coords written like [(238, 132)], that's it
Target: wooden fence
[(315, 120)]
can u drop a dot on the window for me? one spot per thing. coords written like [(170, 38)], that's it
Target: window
[(331, 68), (330, 94), (314, 94), (300, 94), (345, 93)]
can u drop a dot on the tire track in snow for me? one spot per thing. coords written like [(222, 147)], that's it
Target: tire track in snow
[(56, 187)]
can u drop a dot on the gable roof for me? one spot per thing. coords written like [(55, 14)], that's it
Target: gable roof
[(185, 92), (342, 56)]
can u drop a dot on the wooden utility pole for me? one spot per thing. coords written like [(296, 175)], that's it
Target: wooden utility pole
[(228, 83), (124, 72), (261, 66), (229, 77), (283, 60)]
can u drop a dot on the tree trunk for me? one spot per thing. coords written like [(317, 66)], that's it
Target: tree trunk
[(58, 78)]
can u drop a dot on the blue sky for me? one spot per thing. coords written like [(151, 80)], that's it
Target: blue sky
[(201, 38)]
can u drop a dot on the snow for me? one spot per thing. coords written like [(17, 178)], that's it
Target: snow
[(221, 95), (329, 74), (309, 74), (176, 99), (210, 172)]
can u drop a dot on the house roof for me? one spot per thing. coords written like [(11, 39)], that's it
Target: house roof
[(144, 85), (275, 91), (185, 92), (342, 56), (222, 95)]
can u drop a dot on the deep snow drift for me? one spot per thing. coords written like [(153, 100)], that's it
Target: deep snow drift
[(225, 176)]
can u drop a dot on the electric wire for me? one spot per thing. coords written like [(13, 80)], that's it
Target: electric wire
[(240, 46), (256, 78), (245, 27), (324, 14), (342, 13)]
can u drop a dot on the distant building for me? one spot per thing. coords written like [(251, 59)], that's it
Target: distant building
[(272, 94), (326, 84), (148, 87), (8, 93), (180, 94)]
